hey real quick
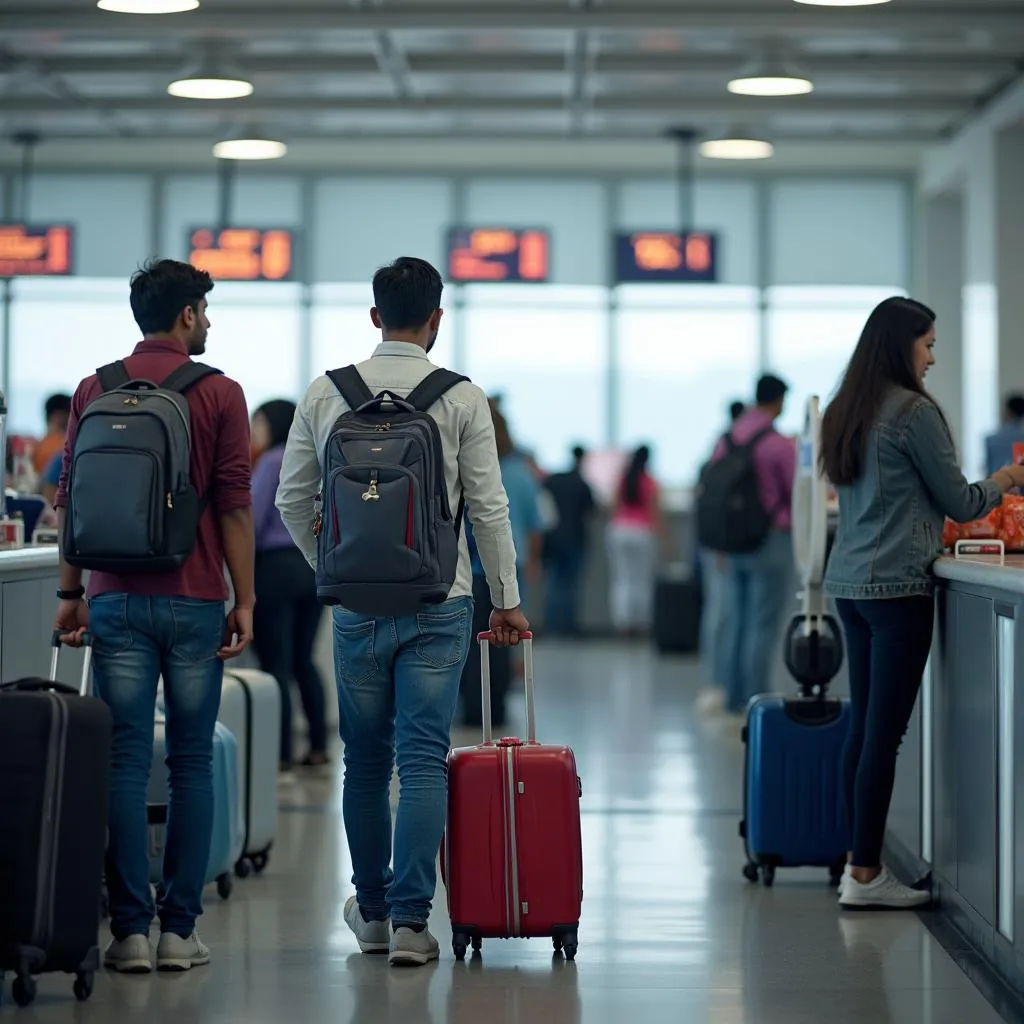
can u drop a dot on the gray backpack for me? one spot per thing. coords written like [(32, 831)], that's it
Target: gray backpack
[(132, 508), (387, 542)]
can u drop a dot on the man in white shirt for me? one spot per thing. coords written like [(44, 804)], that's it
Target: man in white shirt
[(398, 678)]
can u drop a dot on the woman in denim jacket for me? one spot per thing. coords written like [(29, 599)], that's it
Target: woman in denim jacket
[(888, 450)]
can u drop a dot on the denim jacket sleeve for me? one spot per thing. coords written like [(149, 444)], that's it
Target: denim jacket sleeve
[(931, 450)]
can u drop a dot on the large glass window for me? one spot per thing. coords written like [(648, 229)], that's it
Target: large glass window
[(683, 354), (812, 332), (342, 331), (544, 350)]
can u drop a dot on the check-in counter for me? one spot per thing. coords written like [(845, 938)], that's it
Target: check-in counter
[(28, 601), (960, 773)]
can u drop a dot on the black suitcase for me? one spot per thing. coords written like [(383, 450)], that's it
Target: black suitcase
[(677, 610), (54, 773)]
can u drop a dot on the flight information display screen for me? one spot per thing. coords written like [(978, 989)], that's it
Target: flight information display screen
[(666, 256), (499, 255), (35, 250), (243, 254)]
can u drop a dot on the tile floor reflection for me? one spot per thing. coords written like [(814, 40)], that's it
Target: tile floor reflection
[(671, 933)]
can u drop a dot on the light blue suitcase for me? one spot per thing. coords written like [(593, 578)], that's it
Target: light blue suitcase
[(228, 827)]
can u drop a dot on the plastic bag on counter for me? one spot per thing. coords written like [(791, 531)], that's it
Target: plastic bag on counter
[(1012, 533), (988, 528), (950, 534)]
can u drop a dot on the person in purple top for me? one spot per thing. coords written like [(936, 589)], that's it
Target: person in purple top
[(287, 612), (758, 586)]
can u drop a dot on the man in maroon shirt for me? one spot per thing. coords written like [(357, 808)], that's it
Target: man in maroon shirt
[(170, 625)]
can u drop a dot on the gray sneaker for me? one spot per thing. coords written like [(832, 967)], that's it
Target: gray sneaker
[(372, 936), (177, 954), (129, 956), (413, 949)]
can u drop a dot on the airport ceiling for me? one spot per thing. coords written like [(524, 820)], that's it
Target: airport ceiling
[(910, 70)]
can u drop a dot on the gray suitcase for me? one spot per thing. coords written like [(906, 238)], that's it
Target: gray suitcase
[(250, 706)]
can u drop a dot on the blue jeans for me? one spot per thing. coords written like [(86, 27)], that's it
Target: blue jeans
[(564, 569), (758, 592), (398, 685), (714, 623), (135, 641)]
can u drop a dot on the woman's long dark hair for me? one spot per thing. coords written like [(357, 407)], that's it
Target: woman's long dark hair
[(279, 415), (883, 359), (631, 481)]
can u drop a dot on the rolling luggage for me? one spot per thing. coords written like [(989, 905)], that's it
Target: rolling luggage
[(54, 788), (250, 706), (512, 858), (677, 610), (228, 828), (793, 802)]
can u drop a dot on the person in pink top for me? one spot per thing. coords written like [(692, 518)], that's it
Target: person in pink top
[(758, 586), (636, 524)]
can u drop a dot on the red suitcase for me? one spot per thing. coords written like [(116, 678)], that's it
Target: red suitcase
[(512, 860)]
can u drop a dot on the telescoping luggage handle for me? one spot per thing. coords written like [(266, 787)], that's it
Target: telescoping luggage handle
[(57, 645), (526, 638)]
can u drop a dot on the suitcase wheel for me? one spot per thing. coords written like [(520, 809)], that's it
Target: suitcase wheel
[(84, 985), (24, 990), (751, 872), (570, 943), (460, 944), (243, 869), (768, 876), (225, 886), (260, 862)]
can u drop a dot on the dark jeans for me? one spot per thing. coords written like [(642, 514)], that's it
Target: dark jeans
[(564, 569), (887, 643), (135, 641), (285, 625), (501, 666)]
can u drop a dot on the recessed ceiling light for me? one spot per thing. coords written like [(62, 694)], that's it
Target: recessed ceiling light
[(210, 87), (736, 149), (147, 6), (763, 77), (841, 3), (249, 149)]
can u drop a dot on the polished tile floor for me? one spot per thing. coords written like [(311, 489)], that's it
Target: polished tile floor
[(671, 933)]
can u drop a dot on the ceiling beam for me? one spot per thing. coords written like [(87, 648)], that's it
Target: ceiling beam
[(939, 65), (937, 19), (688, 105)]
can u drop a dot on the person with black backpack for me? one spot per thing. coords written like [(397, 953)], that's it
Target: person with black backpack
[(153, 499), (381, 461), (744, 504)]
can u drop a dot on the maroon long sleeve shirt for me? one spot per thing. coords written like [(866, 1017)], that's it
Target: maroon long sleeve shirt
[(221, 469)]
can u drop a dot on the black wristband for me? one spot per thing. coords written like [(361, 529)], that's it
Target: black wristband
[(71, 595)]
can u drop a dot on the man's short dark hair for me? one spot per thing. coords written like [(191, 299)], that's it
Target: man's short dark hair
[(579, 453), (770, 389), (406, 293), (1015, 406), (57, 404), (736, 410), (161, 289)]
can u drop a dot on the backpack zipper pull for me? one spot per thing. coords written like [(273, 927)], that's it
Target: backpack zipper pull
[(170, 500), (371, 494)]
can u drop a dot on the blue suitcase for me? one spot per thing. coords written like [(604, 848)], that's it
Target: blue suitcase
[(793, 803), (228, 839)]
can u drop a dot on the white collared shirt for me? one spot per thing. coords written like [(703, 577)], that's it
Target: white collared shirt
[(470, 461)]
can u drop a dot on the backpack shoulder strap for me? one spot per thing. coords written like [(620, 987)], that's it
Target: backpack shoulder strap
[(759, 436), (351, 386), (187, 375), (113, 376), (432, 387)]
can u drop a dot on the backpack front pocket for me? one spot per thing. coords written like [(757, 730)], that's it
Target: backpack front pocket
[(375, 525)]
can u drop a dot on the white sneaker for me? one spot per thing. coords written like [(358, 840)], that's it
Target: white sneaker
[(413, 949), (129, 956), (372, 936), (711, 701), (885, 892), (177, 954), (842, 881)]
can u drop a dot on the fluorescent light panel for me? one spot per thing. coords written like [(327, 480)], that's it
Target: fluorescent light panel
[(736, 149), (249, 149), (210, 88), (147, 6)]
